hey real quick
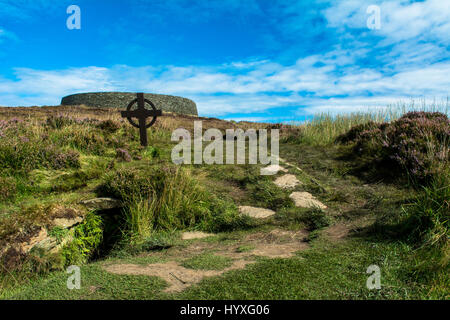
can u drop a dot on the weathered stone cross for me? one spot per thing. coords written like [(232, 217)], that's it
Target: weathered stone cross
[(141, 114)]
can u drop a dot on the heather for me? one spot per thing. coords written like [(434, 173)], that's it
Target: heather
[(416, 145)]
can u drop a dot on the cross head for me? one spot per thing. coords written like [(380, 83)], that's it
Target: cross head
[(141, 113)]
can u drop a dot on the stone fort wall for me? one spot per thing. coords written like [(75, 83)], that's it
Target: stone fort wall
[(121, 100)]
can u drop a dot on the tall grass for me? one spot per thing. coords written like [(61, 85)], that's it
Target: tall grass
[(167, 199), (140, 216), (325, 127), (428, 217)]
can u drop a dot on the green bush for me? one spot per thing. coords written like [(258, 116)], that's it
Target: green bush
[(416, 143), (86, 239)]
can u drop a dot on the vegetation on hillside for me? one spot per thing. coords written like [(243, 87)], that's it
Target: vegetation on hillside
[(392, 175)]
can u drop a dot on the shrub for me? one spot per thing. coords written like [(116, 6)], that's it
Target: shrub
[(110, 126), (417, 142), (59, 121), (87, 238), (422, 114), (57, 159), (122, 154)]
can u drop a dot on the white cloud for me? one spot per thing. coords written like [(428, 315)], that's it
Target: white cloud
[(400, 20), (255, 89), (415, 66)]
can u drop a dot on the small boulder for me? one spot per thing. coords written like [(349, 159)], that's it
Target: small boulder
[(306, 200), (67, 222), (287, 181), (272, 170), (257, 213), (101, 203)]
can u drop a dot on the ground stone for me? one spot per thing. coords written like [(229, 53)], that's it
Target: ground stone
[(67, 222), (258, 213), (287, 181), (306, 200), (272, 169), (101, 203)]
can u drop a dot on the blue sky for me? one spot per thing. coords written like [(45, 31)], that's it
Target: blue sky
[(251, 59)]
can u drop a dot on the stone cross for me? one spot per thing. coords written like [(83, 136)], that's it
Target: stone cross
[(141, 113)]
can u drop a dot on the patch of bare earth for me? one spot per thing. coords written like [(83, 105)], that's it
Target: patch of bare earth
[(274, 244), (195, 235), (342, 230), (337, 232), (177, 277)]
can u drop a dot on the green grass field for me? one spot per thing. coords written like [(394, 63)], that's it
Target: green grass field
[(377, 214)]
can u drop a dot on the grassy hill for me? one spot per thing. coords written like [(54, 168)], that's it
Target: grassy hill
[(384, 187)]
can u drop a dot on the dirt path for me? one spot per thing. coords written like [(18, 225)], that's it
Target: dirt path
[(274, 244), (277, 243)]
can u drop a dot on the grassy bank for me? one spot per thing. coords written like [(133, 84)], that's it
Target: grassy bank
[(386, 186)]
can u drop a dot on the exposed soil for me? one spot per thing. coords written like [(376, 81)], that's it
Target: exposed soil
[(195, 235), (274, 244), (177, 277)]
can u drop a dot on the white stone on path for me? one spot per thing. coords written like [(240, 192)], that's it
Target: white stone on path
[(306, 200), (287, 181), (195, 235), (272, 169), (258, 213)]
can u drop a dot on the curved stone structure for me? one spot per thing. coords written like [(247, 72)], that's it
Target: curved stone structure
[(121, 100)]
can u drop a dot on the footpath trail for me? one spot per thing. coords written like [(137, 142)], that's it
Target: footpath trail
[(277, 243)]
